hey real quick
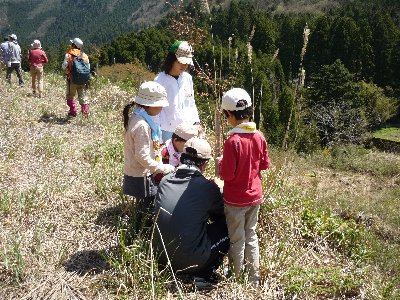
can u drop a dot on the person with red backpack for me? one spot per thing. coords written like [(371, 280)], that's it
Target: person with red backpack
[(76, 62)]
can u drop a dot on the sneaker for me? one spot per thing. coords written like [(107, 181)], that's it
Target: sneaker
[(201, 283), (71, 114)]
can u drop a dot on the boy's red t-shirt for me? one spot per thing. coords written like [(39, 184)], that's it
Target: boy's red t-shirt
[(244, 156)]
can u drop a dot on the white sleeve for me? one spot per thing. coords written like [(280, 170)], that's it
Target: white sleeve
[(194, 111), (65, 62)]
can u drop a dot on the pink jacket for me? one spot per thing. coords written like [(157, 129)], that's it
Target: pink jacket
[(245, 155), (37, 57)]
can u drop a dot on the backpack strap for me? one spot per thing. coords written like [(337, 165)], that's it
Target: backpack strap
[(71, 55)]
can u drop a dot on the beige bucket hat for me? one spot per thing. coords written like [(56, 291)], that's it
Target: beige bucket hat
[(152, 94), (197, 147), (186, 131)]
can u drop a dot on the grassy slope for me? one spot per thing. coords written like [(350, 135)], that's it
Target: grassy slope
[(63, 221), (390, 133)]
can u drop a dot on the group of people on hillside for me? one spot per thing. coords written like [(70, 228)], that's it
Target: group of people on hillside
[(11, 58), (197, 221)]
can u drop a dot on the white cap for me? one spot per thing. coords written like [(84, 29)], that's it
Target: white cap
[(78, 42), (36, 44), (13, 37), (197, 147), (152, 94), (183, 52), (232, 97), (186, 131)]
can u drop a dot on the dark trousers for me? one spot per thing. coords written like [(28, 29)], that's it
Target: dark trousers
[(218, 234), (144, 190), (17, 68)]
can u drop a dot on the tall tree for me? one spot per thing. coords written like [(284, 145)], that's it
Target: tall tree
[(335, 105), (318, 52), (384, 37)]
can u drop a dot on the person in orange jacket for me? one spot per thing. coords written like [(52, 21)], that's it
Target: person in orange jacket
[(72, 88)]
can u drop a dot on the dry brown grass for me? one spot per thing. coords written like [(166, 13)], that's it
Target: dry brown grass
[(58, 228), (60, 202)]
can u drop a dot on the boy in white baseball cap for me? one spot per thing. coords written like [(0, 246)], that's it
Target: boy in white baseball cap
[(245, 155)]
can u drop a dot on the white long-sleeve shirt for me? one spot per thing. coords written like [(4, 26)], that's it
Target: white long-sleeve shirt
[(180, 95)]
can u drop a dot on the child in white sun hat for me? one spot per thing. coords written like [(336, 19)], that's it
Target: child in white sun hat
[(173, 148), (245, 155), (142, 148), (179, 85)]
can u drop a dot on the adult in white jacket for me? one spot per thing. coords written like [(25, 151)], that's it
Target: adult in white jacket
[(179, 86)]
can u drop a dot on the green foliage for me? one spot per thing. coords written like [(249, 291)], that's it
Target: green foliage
[(5, 202), (148, 47), (12, 260), (388, 133), (378, 108), (127, 76), (344, 235), (358, 159), (134, 265), (308, 140), (323, 282), (336, 106)]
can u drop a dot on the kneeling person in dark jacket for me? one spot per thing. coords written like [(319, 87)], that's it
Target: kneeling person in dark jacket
[(190, 216)]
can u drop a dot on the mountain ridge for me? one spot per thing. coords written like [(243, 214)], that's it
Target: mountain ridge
[(56, 21)]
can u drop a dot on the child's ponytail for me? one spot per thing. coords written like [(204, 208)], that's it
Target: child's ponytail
[(126, 113)]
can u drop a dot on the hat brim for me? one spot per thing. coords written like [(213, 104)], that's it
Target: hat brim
[(156, 103), (185, 60)]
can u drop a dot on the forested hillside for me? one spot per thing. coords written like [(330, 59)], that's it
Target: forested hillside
[(56, 21), (350, 60), (98, 21)]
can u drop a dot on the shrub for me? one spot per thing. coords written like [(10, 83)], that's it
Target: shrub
[(344, 235)]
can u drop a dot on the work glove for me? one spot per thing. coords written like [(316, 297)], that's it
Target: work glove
[(166, 168)]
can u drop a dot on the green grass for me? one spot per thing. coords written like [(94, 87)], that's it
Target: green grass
[(323, 282), (13, 261), (361, 188), (355, 158), (390, 133)]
